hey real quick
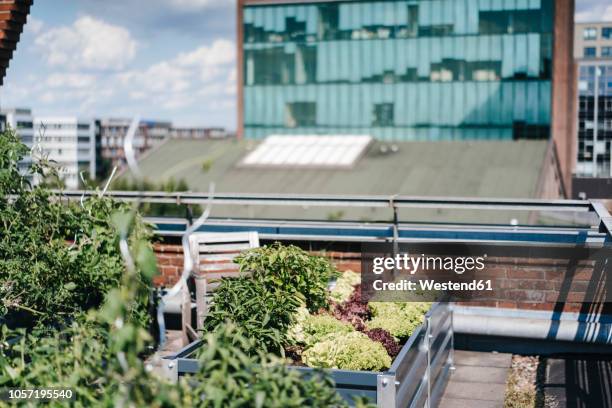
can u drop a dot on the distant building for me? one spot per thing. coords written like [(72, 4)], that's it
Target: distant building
[(113, 131), (593, 40), (593, 51), (198, 133), (22, 122), (70, 142), (594, 118), (408, 70)]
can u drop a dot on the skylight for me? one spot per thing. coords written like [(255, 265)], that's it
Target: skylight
[(308, 151)]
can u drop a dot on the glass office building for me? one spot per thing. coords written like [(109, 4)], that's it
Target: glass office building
[(595, 119), (397, 70)]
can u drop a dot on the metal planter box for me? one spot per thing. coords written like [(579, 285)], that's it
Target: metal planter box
[(417, 376)]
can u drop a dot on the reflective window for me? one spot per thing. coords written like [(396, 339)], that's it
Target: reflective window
[(383, 114), (590, 52), (590, 33), (606, 32), (606, 51), (388, 68), (300, 114)]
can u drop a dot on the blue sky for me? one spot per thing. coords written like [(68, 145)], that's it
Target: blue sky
[(160, 59)]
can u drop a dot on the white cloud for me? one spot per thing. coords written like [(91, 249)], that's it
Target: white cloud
[(34, 25), (194, 5), (89, 43), (70, 80), (186, 79), (596, 13)]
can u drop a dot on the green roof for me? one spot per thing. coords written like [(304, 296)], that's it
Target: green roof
[(508, 169)]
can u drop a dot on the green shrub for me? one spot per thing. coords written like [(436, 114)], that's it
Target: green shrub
[(231, 377), (345, 286), (59, 259), (313, 328), (398, 318), (262, 313), (292, 270), (348, 351)]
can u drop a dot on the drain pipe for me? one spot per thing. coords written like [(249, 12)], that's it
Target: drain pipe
[(529, 324)]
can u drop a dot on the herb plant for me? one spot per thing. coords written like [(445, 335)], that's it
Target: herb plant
[(292, 270)]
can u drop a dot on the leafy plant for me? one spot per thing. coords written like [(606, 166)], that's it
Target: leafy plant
[(398, 318), (230, 376), (314, 328), (59, 259), (386, 339), (262, 313), (292, 270), (348, 351), (354, 310), (345, 286)]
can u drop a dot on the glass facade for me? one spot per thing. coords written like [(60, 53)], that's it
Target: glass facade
[(399, 70), (595, 120)]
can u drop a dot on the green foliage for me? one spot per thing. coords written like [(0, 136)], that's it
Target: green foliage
[(262, 313), (345, 286), (207, 165), (58, 259), (292, 270), (398, 318), (231, 377), (348, 351), (100, 353), (313, 328)]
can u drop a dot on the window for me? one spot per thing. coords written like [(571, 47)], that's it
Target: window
[(590, 52), (606, 32), (509, 21), (24, 125), (298, 114), (609, 105), (606, 51), (383, 114), (590, 33)]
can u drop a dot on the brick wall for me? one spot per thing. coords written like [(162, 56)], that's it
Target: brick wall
[(534, 284)]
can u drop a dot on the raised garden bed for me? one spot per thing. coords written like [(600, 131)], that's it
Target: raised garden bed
[(416, 378)]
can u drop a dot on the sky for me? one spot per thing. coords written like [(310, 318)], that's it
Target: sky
[(158, 59)]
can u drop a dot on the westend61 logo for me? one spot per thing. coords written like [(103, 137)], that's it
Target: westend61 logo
[(411, 264)]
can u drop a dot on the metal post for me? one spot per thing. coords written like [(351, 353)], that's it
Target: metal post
[(428, 337), (189, 214), (451, 354), (395, 231), (385, 391)]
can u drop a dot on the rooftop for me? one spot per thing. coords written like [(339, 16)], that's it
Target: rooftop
[(508, 169)]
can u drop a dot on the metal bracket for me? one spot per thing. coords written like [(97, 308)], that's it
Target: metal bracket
[(169, 370), (385, 390)]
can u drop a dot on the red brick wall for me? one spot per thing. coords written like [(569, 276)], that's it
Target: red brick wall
[(526, 283), (564, 86)]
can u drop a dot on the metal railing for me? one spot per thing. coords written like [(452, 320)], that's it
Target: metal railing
[(394, 230)]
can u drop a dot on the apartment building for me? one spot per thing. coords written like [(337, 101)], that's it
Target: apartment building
[(593, 40), (112, 135), (198, 132), (70, 142)]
